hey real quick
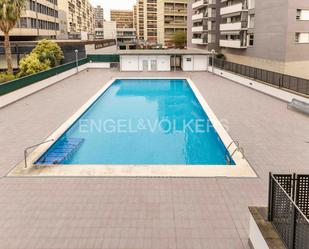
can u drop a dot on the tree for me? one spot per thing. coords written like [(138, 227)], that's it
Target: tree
[(31, 64), (10, 11), (180, 39), (49, 50)]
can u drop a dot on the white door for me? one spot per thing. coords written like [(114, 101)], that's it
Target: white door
[(145, 65), (187, 63), (153, 65)]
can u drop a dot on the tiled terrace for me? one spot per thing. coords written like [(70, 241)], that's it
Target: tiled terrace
[(141, 213)]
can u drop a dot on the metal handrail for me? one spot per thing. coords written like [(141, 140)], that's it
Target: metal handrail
[(33, 146), (289, 197)]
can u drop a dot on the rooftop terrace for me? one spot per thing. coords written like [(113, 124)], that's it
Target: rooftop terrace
[(143, 212)]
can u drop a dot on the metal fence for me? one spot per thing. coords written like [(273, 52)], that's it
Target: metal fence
[(276, 79), (288, 208)]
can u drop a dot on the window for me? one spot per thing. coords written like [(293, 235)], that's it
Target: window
[(251, 40), (302, 15), (302, 37)]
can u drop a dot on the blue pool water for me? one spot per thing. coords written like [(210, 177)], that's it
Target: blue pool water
[(141, 122)]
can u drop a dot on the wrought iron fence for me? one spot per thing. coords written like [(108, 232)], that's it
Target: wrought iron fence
[(289, 82), (288, 208)]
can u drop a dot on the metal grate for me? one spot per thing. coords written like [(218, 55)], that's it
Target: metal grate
[(302, 194), (291, 221)]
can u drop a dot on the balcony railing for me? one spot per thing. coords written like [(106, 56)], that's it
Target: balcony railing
[(232, 44), (199, 4), (234, 26), (233, 9), (199, 41), (197, 29), (197, 16)]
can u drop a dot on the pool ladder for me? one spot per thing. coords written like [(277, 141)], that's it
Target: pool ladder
[(228, 156), (31, 147)]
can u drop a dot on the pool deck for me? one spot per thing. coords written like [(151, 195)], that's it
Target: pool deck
[(133, 213)]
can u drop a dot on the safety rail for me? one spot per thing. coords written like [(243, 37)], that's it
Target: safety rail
[(288, 208), (279, 80), (31, 147)]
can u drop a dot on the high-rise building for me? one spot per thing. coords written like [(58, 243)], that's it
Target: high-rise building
[(150, 21), (203, 24), (98, 16), (123, 18), (38, 20), (80, 16), (126, 33), (267, 34), (135, 17), (147, 20), (140, 20), (172, 18)]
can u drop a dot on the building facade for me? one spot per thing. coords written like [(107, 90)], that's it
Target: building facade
[(140, 20), (80, 16), (172, 18), (203, 24), (267, 34), (98, 16), (146, 21), (39, 19), (126, 33)]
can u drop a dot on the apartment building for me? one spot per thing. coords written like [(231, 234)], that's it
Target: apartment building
[(267, 34), (126, 33), (146, 18), (39, 19), (123, 18), (98, 16), (140, 20), (203, 24), (80, 17), (172, 17)]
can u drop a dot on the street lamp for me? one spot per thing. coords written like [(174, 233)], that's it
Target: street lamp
[(213, 60), (76, 59)]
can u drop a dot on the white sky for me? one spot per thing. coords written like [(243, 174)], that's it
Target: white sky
[(113, 4)]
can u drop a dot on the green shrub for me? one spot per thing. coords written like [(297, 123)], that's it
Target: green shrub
[(180, 38), (4, 77), (49, 50), (31, 64)]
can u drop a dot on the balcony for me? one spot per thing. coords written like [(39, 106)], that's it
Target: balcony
[(197, 29), (232, 9), (199, 4), (231, 44), (230, 26), (199, 41), (197, 16)]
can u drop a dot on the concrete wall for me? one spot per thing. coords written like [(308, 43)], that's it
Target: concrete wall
[(135, 62), (194, 62)]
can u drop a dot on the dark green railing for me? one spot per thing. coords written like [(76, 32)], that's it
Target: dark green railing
[(104, 58), (28, 80)]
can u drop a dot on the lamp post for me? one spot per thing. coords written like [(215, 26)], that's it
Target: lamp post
[(76, 60), (213, 60)]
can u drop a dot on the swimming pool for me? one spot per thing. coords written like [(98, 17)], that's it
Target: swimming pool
[(139, 127), (142, 121)]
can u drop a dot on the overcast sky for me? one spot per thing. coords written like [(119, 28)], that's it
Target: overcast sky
[(113, 4)]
